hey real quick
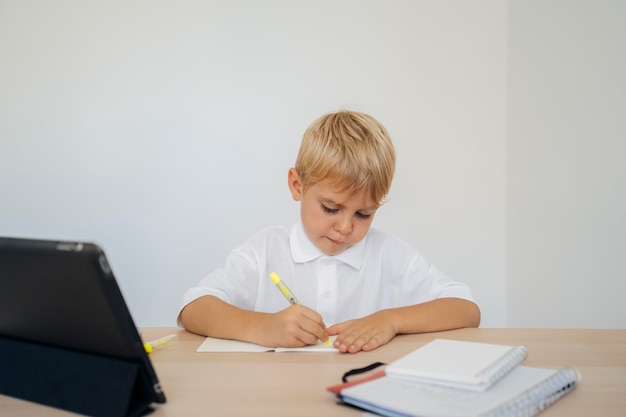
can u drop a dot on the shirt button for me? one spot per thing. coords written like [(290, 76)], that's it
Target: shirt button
[(328, 294)]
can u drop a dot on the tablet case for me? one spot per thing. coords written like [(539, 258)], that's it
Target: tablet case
[(67, 339)]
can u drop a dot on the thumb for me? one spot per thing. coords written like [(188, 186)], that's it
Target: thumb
[(337, 328)]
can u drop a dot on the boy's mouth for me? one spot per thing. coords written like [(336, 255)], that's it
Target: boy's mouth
[(336, 242)]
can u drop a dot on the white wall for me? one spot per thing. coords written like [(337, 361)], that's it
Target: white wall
[(566, 187), (163, 130)]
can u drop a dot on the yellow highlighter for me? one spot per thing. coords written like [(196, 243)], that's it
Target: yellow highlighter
[(161, 343), (284, 289), (287, 292)]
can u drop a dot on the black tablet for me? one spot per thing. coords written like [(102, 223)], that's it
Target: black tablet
[(61, 305)]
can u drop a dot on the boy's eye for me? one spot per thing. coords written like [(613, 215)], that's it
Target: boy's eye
[(362, 216)]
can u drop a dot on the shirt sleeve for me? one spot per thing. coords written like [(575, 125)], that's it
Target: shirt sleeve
[(414, 280), (446, 287), (235, 283)]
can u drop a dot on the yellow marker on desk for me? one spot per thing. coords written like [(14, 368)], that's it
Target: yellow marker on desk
[(160, 343), (287, 293)]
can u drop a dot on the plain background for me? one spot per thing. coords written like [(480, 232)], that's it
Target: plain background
[(163, 131)]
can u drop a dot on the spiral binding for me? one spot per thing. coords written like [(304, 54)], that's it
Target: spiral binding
[(498, 369), (540, 397)]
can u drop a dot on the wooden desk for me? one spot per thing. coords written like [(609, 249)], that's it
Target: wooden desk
[(293, 384)]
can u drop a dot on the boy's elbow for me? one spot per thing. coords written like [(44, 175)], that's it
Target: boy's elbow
[(473, 315)]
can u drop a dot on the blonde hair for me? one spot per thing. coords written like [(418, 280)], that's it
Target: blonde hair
[(350, 150)]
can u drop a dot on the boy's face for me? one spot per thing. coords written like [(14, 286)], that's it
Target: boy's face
[(332, 220)]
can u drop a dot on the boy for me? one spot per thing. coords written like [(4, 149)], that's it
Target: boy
[(369, 284)]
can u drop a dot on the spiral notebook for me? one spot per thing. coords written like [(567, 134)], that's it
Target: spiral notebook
[(456, 363), (524, 392)]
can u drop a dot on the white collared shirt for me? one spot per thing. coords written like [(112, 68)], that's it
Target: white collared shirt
[(381, 271)]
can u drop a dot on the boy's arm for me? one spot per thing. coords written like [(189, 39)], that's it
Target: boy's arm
[(292, 327), (437, 315), (377, 329)]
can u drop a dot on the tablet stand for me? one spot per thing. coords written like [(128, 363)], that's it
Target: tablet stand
[(75, 381)]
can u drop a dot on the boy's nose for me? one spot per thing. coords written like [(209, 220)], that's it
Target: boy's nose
[(344, 226)]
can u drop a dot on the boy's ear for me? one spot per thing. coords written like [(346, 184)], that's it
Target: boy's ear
[(295, 185)]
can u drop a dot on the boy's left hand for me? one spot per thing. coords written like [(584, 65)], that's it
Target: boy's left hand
[(364, 334)]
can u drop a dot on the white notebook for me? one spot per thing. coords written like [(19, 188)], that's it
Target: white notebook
[(455, 363), (212, 344), (524, 392)]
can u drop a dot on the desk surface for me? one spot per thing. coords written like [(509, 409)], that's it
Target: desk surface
[(293, 383)]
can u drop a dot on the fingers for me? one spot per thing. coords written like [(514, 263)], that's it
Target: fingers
[(302, 326), (313, 324), (335, 329), (364, 334), (352, 343)]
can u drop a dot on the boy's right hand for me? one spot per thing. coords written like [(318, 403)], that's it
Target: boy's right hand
[(294, 326)]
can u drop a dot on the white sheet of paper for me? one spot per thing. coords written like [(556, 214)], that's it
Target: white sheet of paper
[(212, 344)]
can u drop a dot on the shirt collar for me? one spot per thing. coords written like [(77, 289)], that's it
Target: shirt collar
[(303, 250)]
